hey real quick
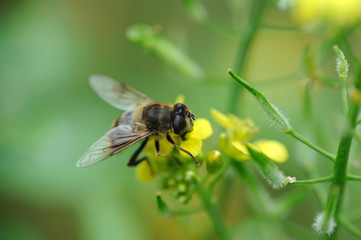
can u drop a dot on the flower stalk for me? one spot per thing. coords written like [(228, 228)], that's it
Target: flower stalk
[(212, 210), (340, 168), (312, 181)]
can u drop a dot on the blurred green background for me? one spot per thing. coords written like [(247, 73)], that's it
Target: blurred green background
[(49, 115)]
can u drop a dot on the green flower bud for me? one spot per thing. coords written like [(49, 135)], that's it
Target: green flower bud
[(275, 116), (162, 206), (268, 168), (214, 161), (341, 62), (182, 188), (184, 198), (324, 224)]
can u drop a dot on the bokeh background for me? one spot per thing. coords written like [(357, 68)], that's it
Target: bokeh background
[(49, 115)]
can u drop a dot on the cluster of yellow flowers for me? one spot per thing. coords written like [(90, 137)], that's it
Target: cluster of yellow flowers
[(239, 133), (338, 12)]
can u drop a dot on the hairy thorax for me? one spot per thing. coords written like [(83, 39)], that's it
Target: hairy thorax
[(157, 118)]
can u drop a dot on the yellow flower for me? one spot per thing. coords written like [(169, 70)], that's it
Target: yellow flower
[(144, 172), (338, 12), (239, 133), (202, 129)]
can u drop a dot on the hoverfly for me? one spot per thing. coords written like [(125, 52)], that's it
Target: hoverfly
[(143, 118)]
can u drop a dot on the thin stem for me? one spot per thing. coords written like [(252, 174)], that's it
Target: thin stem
[(213, 212), (353, 177), (349, 226), (344, 95), (312, 181), (219, 176), (296, 135), (244, 46)]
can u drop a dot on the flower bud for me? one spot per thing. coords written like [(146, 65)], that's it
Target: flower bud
[(162, 206), (323, 224), (341, 62), (214, 161), (268, 168), (182, 188), (275, 116), (184, 198)]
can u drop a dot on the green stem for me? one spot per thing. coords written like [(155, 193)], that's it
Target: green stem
[(244, 46), (219, 175), (353, 177), (344, 95), (296, 135), (358, 121), (340, 167), (350, 227), (213, 212), (312, 181)]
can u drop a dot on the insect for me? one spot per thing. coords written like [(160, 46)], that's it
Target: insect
[(143, 118)]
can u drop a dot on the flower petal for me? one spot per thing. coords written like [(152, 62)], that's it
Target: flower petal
[(165, 148), (192, 145), (179, 99), (144, 172), (222, 119), (273, 149), (241, 147), (239, 151), (202, 129)]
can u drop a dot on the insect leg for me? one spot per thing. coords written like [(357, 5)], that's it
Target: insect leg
[(174, 144), (157, 149), (165, 155), (133, 159)]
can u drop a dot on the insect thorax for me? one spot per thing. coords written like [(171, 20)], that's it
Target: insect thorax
[(158, 118)]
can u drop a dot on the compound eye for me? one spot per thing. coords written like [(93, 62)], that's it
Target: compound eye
[(179, 108), (179, 124)]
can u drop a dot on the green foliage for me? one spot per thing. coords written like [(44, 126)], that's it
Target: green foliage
[(282, 56)]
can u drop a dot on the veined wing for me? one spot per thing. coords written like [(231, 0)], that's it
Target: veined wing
[(114, 141), (117, 94)]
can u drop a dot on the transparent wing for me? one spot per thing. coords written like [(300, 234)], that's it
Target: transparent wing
[(114, 141), (117, 94)]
